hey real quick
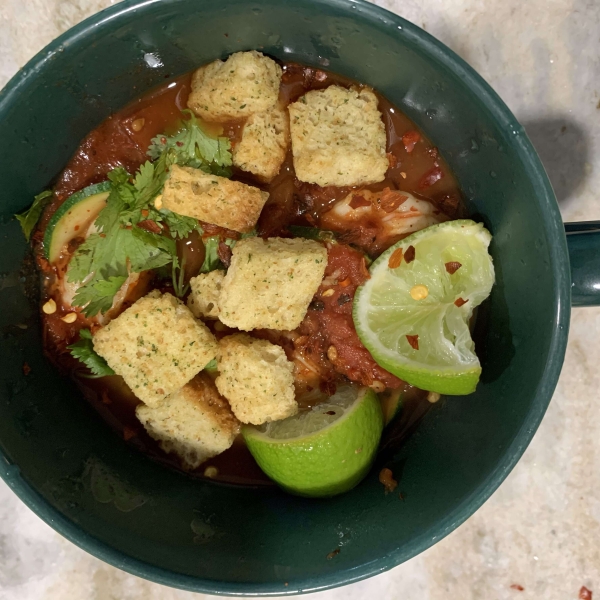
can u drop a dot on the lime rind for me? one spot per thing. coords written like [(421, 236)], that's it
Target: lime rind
[(385, 313), (328, 461)]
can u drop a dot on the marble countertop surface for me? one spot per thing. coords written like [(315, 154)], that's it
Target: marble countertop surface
[(538, 537)]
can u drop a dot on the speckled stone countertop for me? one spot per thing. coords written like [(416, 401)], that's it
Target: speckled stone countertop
[(538, 537)]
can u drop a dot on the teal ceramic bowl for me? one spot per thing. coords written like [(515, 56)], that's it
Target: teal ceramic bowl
[(77, 475)]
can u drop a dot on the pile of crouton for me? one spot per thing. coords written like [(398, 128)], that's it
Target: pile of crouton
[(160, 346)]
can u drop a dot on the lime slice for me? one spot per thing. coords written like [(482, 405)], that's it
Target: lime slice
[(414, 317), (391, 404), (323, 451)]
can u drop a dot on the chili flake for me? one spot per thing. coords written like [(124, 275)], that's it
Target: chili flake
[(452, 267), (409, 255), (413, 340)]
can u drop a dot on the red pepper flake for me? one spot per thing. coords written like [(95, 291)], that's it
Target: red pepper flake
[(105, 398), (386, 477), (163, 140), (224, 253), (409, 255), (333, 554), (585, 594), (413, 340), (26, 369), (395, 259), (346, 282), (128, 433), (460, 302), (410, 139), (516, 586), (102, 235), (358, 201), (145, 213), (180, 144), (390, 200), (452, 267), (76, 228), (432, 176), (149, 225)]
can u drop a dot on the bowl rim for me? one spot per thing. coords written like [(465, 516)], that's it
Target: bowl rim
[(553, 227)]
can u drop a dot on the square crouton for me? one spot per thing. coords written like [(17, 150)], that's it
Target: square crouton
[(205, 290), (246, 83), (338, 137), (264, 143), (195, 422), (270, 283), (156, 345), (213, 199), (256, 378)]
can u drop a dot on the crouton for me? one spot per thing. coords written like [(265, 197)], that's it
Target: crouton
[(194, 422), (269, 284), (256, 378), (156, 345), (246, 83), (338, 137), (205, 290), (264, 143), (213, 199)]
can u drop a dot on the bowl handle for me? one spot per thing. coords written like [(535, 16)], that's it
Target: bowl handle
[(583, 241)]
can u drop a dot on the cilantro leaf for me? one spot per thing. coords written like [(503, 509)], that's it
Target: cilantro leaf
[(211, 367), (193, 147), (81, 263), (98, 295), (29, 218), (149, 251), (83, 350), (121, 197), (211, 258), (179, 225)]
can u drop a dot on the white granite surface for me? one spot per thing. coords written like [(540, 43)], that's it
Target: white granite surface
[(541, 530)]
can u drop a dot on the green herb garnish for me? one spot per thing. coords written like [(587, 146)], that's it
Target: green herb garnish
[(29, 218), (84, 351), (124, 244)]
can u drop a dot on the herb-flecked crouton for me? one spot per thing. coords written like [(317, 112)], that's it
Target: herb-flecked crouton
[(270, 283), (213, 199), (256, 378), (156, 345), (194, 422), (338, 137), (246, 83), (264, 143), (205, 290)]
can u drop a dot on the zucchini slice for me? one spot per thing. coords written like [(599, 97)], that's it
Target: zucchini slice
[(73, 217)]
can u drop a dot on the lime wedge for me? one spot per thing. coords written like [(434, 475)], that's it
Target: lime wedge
[(413, 316), (323, 451)]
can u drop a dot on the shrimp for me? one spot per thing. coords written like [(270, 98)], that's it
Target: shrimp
[(376, 220)]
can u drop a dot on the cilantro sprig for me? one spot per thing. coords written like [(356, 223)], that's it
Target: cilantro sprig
[(194, 148), (84, 351), (133, 236)]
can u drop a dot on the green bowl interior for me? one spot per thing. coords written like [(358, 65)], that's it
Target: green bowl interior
[(99, 492)]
